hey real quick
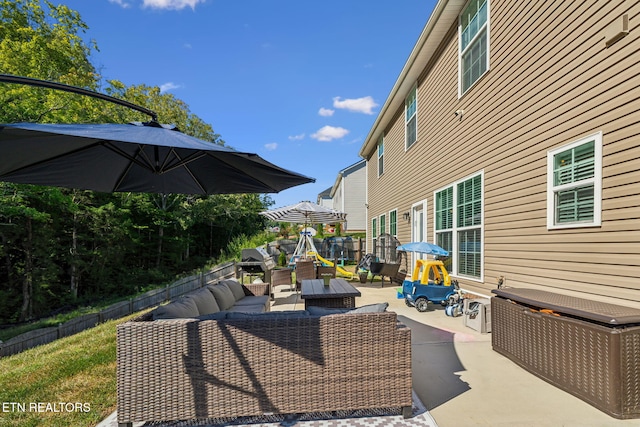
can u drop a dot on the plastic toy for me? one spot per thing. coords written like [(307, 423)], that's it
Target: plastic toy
[(430, 283)]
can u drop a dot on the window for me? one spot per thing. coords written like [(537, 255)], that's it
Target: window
[(374, 228), (411, 131), (393, 222), (474, 43), (383, 228), (458, 224), (469, 220), (444, 218), (574, 184), (381, 155)]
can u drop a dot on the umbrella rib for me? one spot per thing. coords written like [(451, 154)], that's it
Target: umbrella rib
[(167, 167), (52, 158), (134, 159), (184, 164)]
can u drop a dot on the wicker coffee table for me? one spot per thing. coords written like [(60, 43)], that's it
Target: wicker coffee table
[(339, 293)]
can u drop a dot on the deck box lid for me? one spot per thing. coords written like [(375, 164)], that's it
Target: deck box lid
[(610, 314)]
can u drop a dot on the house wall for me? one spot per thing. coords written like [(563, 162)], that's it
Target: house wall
[(551, 82), (354, 186)]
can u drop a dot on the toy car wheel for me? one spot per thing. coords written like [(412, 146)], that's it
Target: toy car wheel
[(406, 301), (422, 305)]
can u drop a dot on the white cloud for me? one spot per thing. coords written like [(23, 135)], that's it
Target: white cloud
[(271, 146), (326, 112), (359, 105), (296, 137), (329, 133), (168, 86), (121, 3), (171, 4)]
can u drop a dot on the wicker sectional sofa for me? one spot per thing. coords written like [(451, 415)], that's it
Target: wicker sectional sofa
[(249, 363)]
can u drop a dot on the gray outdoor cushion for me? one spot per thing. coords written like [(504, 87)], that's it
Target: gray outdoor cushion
[(205, 301), (286, 314), (183, 308), (223, 296), (371, 308), (221, 315), (253, 300), (236, 288), (323, 311), (258, 308)]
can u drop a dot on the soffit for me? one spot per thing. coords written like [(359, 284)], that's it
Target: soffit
[(444, 14)]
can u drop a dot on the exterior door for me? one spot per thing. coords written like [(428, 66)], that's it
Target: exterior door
[(418, 228)]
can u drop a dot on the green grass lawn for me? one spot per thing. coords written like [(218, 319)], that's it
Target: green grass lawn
[(69, 382)]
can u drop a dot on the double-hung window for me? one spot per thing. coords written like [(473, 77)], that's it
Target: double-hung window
[(458, 224), (411, 122), (383, 225), (444, 218), (473, 57), (574, 184), (381, 155), (374, 228), (393, 222)]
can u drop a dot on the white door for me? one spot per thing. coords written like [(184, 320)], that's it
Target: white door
[(418, 228)]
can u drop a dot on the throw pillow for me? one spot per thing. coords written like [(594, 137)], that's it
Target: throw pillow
[(236, 288), (223, 296)]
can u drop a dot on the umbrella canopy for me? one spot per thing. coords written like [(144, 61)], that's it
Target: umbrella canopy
[(136, 157), (424, 248), (307, 213)]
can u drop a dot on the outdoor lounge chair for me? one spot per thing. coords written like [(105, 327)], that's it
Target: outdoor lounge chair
[(304, 270), (281, 276)]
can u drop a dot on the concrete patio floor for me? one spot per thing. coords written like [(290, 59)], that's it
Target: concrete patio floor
[(462, 381)]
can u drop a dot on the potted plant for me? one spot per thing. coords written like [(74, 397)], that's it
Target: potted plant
[(363, 275)]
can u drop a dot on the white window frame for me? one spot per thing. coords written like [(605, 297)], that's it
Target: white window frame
[(414, 116), (382, 223), (380, 156), (596, 181), (484, 31), (456, 229)]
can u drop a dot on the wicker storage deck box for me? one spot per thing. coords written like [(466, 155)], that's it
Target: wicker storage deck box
[(587, 348)]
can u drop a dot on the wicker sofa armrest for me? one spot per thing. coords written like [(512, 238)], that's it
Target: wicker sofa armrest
[(256, 289)]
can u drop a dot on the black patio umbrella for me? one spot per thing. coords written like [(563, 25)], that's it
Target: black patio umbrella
[(136, 157)]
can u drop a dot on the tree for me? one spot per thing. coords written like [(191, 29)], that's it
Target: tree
[(44, 43), (60, 246)]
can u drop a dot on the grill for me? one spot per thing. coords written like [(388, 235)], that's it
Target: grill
[(256, 261)]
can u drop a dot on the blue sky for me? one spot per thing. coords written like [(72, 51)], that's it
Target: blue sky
[(298, 82)]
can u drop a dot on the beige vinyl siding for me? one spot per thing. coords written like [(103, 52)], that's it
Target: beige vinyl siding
[(551, 82)]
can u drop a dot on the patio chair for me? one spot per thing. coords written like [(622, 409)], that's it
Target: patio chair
[(282, 276), (304, 270)]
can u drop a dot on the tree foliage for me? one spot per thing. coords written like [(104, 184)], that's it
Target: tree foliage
[(63, 247)]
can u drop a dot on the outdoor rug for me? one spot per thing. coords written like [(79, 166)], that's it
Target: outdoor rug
[(383, 417)]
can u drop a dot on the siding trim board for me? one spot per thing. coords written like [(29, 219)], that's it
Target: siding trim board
[(551, 81)]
